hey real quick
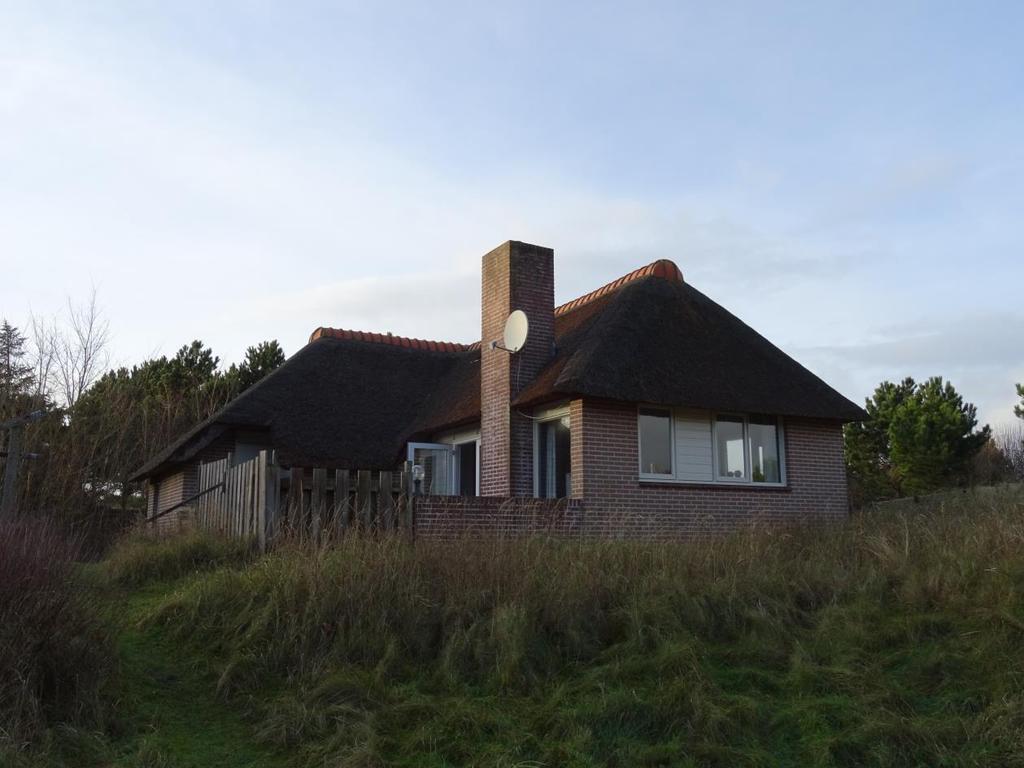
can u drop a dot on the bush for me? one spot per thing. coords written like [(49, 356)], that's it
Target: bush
[(141, 557), (55, 654), (891, 640)]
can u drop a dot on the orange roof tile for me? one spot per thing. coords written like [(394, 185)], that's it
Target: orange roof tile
[(389, 338), (664, 268)]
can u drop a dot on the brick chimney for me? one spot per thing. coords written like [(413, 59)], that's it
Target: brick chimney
[(515, 276)]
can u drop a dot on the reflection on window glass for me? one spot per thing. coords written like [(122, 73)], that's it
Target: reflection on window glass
[(554, 459), (655, 442), (729, 439), (764, 450)]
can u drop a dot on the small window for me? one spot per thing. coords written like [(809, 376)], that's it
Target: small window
[(764, 450), (655, 442), (730, 455), (554, 459)]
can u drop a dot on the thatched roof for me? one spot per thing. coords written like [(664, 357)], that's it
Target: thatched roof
[(352, 399), (661, 341), (337, 402)]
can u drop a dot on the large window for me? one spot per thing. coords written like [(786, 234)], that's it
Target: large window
[(553, 458), (655, 442), (685, 445)]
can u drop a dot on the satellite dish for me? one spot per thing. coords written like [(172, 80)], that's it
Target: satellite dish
[(517, 329)]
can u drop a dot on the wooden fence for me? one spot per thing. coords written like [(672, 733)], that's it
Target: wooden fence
[(260, 499)]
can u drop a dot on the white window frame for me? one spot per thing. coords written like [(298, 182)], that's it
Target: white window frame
[(546, 416), (452, 476), (718, 477), (744, 482), (671, 476), (457, 439)]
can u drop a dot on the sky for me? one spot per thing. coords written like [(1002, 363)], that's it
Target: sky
[(847, 178)]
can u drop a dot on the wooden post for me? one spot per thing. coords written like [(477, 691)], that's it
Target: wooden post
[(318, 502), (405, 498), (342, 508), (364, 505), (225, 497), (267, 489), (296, 515), (385, 503), (10, 496)]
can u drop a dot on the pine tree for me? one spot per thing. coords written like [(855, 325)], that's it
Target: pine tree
[(1019, 409), (918, 437), (15, 373), (259, 361)]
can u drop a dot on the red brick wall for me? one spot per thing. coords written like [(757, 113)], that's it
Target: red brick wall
[(515, 276), (605, 472), (174, 488), (451, 517)]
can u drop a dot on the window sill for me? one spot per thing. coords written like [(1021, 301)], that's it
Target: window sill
[(756, 487)]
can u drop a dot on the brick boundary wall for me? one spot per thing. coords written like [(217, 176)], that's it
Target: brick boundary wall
[(605, 471), (449, 517)]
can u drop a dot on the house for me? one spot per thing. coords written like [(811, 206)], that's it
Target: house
[(647, 406)]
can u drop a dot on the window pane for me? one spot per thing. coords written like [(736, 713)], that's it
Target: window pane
[(655, 442), (554, 459), (764, 450), (729, 439)]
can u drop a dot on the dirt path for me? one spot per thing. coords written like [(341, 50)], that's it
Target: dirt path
[(173, 716)]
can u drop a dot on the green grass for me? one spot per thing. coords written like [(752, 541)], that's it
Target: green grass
[(893, 640), (173, 715)]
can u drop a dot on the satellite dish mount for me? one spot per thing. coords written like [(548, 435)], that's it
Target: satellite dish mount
[(517, 330)]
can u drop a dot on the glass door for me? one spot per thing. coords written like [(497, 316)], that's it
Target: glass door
[(433, 469)]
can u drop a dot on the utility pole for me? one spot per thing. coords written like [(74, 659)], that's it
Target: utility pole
[(14, 428)]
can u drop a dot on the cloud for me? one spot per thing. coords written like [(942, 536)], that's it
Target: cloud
[(979, 352)]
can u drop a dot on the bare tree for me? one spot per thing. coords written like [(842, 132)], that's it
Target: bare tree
[(1010, 439), (80, 351), (44, 335)]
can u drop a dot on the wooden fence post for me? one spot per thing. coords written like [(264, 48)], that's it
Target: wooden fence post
[(364, 502), (10, 491), (224, 523), (405, 498), (296, 514), (385, 503), (342, 507), (268, 482), (318, 501)]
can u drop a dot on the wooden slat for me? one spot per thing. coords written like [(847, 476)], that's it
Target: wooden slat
[(342, 507), (296, 517), (271, 498), (364, 507), (318, 502), (405, 498), (385, 503)]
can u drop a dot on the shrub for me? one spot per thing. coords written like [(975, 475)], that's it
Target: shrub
[(140, 557), (55, 655)]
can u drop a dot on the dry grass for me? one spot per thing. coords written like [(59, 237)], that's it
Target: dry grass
[(55, 654), (892, 640), (141, 557)]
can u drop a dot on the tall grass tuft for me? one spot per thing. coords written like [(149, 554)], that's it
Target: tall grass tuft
[(891, 640), (140, 557), (55, 654)]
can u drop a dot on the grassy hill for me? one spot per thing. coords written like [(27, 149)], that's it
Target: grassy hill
[(894, 640)]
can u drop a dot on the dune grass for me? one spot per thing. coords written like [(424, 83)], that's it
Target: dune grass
[(892, 640), (140, 557), (56, 655)]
